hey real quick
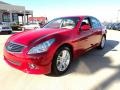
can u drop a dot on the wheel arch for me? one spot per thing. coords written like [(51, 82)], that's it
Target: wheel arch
[(104, 35), (67, 45), (53, 69)]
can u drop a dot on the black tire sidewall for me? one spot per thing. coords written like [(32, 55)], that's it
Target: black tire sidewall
[(9, 32), (100, 46), (55, 71)]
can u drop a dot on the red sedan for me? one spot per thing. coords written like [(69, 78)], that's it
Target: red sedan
[(52, 48)]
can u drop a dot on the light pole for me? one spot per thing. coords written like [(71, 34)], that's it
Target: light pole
[(118, 15)]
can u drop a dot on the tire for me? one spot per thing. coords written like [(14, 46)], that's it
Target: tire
[(61, 61), (102, 43), (9, 32)]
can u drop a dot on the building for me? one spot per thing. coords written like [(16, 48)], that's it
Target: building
[(38, 19), (14, 13)]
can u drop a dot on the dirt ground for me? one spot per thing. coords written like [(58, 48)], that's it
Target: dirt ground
[(96, 70)]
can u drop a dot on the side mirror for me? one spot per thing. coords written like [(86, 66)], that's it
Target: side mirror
[(85, 27)]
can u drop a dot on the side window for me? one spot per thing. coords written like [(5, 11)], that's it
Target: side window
[(95, 23), (68, 23)]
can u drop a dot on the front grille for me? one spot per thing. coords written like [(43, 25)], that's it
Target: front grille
[(14, 47), (5, 28)]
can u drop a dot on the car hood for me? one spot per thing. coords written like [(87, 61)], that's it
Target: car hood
[(29, 37)]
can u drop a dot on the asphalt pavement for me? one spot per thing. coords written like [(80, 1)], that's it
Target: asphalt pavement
[(95, 70)]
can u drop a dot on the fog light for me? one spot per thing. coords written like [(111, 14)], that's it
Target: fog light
[(32, 66)]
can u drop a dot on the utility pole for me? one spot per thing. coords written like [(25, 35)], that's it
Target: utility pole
[(118, 11)]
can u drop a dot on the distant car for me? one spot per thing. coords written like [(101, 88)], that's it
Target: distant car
[(5, 27), (116, 26), (113, 26), (31, 26), (15, 26), (52, 48), (109, 25)]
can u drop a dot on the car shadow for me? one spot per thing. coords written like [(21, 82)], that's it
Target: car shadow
[(4, 33), (109, 81), (93, 60), (7, 33)]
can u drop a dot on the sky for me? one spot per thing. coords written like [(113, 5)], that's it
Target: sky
[(104, 10)]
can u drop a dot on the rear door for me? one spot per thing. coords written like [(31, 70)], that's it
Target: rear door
[(96, 31), (84, 36)]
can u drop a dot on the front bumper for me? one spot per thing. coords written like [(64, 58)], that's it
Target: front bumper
[(28, 64), (5, 30)]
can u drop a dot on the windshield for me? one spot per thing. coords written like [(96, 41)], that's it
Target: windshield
[(68, 22)]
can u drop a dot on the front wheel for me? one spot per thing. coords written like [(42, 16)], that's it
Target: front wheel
[(9, 32), (61, 61)]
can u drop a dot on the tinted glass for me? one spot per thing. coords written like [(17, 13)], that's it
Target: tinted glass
[(68, 23), (95, 23)]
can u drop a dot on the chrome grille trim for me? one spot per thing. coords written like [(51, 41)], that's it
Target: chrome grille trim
[(5, 28), (14, 47)]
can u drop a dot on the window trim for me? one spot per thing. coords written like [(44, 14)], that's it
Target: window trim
[(98, 22)]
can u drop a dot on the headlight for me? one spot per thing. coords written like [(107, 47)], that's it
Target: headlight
[(42, 47)]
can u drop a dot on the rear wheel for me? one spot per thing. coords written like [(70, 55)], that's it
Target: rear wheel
[(102, 43), (61, 61)]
